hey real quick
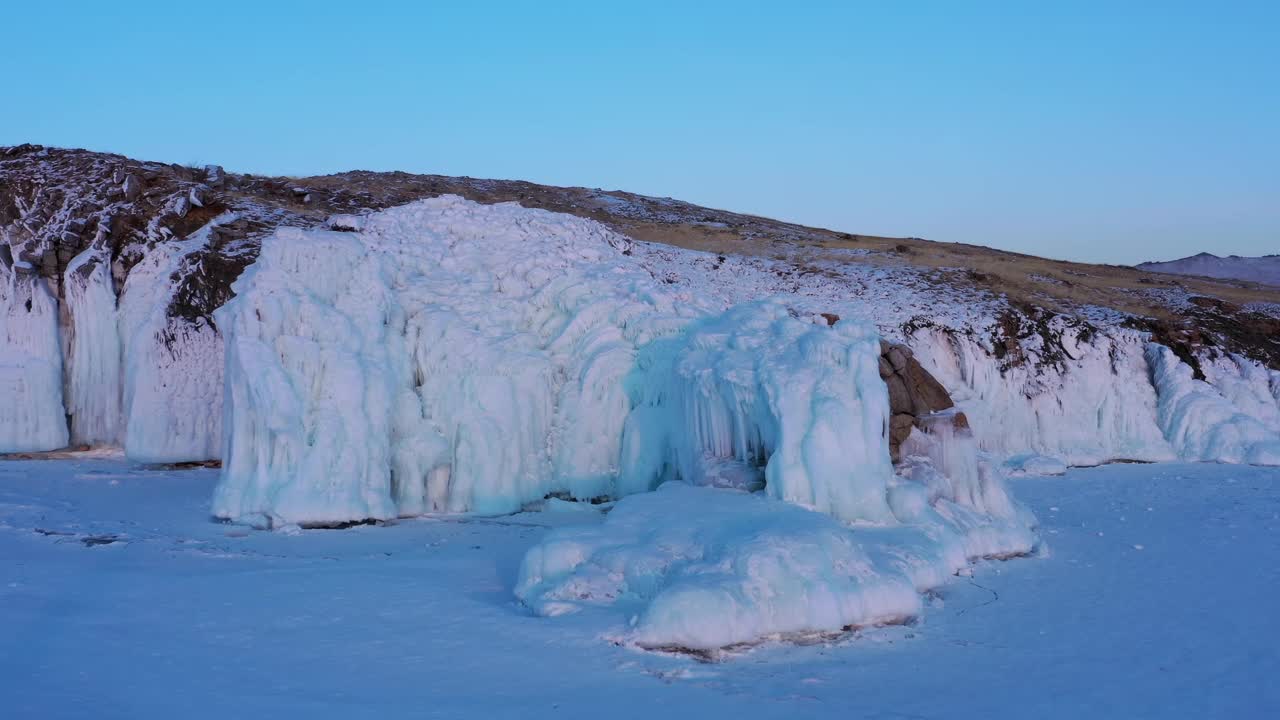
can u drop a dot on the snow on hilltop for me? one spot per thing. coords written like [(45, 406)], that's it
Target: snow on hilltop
[(1264, 269)]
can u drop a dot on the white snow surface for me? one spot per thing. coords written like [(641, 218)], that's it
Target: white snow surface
[(449, 356), (123, 602)]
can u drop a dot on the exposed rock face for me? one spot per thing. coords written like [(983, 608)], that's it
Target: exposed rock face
[(915, 396)]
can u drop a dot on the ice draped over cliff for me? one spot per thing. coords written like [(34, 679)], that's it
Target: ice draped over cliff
[(103, 370), (449, 356), (1113, 395), (31, 414)]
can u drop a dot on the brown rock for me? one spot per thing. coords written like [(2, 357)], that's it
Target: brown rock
[(927, 394), (898, 357), (899, 428), (900, 400), (886, 370)]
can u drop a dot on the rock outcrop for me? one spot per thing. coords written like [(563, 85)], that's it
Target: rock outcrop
[(916, 398)]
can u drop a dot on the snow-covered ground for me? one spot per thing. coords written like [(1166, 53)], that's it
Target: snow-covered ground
[(120, 598)]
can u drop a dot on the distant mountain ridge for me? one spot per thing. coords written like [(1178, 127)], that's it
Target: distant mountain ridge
[(1263, 269)]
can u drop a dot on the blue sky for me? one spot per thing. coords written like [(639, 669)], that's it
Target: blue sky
[(1100, 131)]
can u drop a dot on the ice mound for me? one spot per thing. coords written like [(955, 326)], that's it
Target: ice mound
[(700, 568), (1201, 423), (31, 415)]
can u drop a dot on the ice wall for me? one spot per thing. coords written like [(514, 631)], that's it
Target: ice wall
[(31, 411), (1113, 396)]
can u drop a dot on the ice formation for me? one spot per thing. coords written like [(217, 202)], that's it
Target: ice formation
[(121, 373), (1023, 465), (1094, 406), (1201, 423), (448, 356), (171, 380), (452, 357), (93, 351), (703, 568), (756, 392), (31, 414)]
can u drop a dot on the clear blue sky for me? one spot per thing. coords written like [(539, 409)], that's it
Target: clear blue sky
[(1104, 131)]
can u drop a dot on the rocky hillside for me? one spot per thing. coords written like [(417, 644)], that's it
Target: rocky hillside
[(55, 203)]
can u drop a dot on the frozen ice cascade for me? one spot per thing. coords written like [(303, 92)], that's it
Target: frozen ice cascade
[(113, 373), (31, 415), (93, 351), (1202, 424)]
